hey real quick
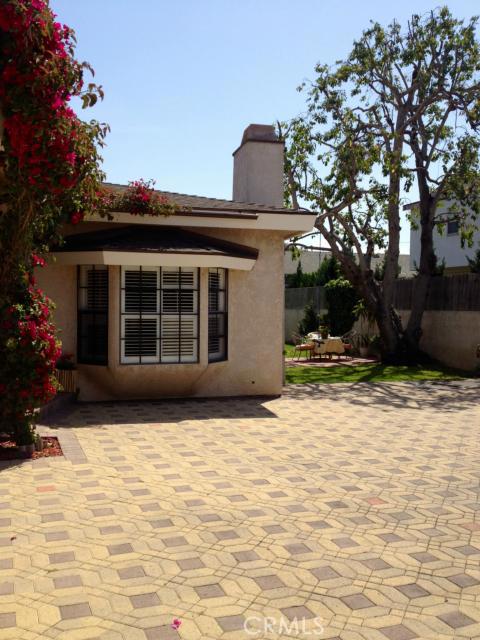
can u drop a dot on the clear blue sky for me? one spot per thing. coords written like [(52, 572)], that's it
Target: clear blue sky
[(183, 78)]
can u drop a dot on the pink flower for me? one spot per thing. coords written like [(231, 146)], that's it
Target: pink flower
[(71, 157), (37, 261), (176, 624), (76, 218), (57, 102)]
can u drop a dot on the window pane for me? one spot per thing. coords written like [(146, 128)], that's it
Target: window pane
[(93, 338), (217, 318), (160, 314), (452, 227), (93, 288), (179, 301), (140, 293), (92, 315), (140, 338), (179, 278)]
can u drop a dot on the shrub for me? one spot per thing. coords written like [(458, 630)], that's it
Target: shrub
[(309, 321), (474, 263), (341, 300), (28, 353), (329, 269)]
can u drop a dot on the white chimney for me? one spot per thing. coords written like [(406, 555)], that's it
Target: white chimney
[(258, 167)]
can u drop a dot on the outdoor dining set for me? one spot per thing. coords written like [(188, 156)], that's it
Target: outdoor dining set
[(314, 345)]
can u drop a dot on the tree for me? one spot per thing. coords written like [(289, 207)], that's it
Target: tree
[(329, 269), (474, 263), (379, 270), (341, 301), (402, 110), (309, 322)]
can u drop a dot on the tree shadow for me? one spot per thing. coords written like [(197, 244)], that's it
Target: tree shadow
[(448, 396)]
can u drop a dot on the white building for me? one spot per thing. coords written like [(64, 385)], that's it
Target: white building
[(312, 258), (447, 243)]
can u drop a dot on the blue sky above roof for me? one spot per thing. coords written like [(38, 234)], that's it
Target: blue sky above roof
[(183, 79)]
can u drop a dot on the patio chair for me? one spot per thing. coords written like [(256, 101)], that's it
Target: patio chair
[(300, 346), (348, 340)]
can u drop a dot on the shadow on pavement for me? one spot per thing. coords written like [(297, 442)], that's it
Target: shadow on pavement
[(447, 396)]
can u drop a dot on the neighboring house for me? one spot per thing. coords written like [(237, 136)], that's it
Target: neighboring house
[(187, 305), (447, 244), (311, 259)]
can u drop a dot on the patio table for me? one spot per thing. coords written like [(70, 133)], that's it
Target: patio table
[(326, 346)]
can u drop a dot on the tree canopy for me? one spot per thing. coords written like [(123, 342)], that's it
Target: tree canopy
[(400, 114)]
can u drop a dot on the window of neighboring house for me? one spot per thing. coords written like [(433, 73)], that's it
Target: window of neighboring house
[(92, 315), (159, 315), (217, 315), (452, 227)]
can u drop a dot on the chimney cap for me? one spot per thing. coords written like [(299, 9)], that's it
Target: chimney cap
[(260, 133)]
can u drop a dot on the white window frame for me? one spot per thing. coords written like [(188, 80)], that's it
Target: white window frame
[(160, 315)]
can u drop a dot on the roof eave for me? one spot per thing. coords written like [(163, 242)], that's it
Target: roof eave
[(155, 259), (294, 222)]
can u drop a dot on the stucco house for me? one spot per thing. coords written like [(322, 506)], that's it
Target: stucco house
[(446, 241), (185, 305)]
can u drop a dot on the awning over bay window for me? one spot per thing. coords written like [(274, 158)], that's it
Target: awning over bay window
[(146, 245)]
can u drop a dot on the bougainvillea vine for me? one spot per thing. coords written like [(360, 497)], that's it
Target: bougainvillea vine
[(30, 351), (49, 175), (49, 170)]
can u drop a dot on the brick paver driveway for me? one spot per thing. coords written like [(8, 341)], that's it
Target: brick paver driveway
[(332, 512)]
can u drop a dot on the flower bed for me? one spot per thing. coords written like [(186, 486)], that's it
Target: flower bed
[(50, 448)]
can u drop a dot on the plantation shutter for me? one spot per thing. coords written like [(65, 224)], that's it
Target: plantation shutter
[(140, 331), (159, 315), (92, 315), (217, 315), (179, 314)]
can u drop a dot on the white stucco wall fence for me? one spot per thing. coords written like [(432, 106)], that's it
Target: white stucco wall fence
[(451, 321), (295, 301)]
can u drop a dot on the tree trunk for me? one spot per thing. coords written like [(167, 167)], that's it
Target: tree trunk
[(378, 301), (388, 323), (421, 284)]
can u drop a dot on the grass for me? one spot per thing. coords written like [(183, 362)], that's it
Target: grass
[(370, 372), (288, 350)]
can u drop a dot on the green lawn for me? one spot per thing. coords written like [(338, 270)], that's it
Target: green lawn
[(371, 372), (288, 350)]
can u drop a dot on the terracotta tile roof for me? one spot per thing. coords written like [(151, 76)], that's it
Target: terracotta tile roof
[(200, 204)]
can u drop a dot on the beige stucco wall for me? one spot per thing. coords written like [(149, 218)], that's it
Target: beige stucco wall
[(60, 284), (255, 329), (451, 337)]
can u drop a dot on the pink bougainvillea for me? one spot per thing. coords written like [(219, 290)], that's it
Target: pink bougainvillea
[(30, 352), (138, 199), (49, 171), (49, 175)]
